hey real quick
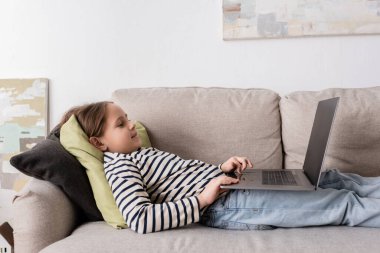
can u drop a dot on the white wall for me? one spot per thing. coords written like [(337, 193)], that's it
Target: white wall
[(87, 48)]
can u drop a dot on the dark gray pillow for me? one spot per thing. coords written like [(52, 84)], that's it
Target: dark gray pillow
[(49, 161)]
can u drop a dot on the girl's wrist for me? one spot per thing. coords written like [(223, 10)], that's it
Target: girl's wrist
[(201, 201)]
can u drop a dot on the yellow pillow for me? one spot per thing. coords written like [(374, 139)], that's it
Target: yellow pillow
[(75, 141)]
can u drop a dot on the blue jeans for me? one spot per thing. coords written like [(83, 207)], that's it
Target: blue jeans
[(342, 199)]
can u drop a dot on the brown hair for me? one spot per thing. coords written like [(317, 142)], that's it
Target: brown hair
[(91, 117)]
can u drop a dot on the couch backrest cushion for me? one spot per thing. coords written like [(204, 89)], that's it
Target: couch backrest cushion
[(354, 144), (209, 124)]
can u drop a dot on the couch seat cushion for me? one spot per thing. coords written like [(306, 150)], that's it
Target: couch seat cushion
[(99, 237)]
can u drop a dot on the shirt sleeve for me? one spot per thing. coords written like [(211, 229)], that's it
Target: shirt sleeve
[(140, 214)]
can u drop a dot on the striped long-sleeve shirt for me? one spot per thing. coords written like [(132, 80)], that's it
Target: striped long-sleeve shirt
[(156, 190)]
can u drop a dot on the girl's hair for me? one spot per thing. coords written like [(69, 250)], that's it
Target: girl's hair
[(91, 117)]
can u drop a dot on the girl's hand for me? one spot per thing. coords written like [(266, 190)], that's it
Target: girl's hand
[(212, 190), (236, 163)]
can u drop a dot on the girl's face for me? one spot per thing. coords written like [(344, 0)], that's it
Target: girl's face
[(119, 135)]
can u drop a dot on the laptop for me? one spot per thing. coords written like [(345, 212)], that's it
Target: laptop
[(306, 179)]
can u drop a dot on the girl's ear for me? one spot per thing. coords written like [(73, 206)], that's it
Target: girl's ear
[(98, 144)]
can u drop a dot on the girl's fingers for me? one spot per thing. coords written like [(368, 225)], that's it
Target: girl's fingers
[(250, 164), (228, 180), (239, 164), (242, 164)]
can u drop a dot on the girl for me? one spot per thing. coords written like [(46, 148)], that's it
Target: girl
[(156, 190)]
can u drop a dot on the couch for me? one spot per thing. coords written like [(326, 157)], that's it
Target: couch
[(212, 124)]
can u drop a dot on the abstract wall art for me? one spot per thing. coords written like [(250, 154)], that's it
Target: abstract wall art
[(23, 123), (255, 19)]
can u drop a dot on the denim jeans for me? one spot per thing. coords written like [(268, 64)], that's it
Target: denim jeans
[(341, 199)]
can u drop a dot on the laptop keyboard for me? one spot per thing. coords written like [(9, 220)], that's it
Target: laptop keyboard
[(278, 178)]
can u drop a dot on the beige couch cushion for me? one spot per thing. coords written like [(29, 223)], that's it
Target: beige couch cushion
[(43, 214), (97, 237), (354, 144), (209, 124)]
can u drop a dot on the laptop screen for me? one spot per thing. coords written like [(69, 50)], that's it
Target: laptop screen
[(319, 136)]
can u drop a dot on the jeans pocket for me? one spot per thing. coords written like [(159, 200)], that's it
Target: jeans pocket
[(233, 225)]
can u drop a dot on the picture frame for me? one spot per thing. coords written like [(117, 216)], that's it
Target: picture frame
[(260, 19), (24, 121)]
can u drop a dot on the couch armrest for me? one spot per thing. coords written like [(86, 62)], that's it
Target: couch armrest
[(42, 215)]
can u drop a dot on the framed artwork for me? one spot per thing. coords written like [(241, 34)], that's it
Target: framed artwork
[(254, 19), (23, 123)]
